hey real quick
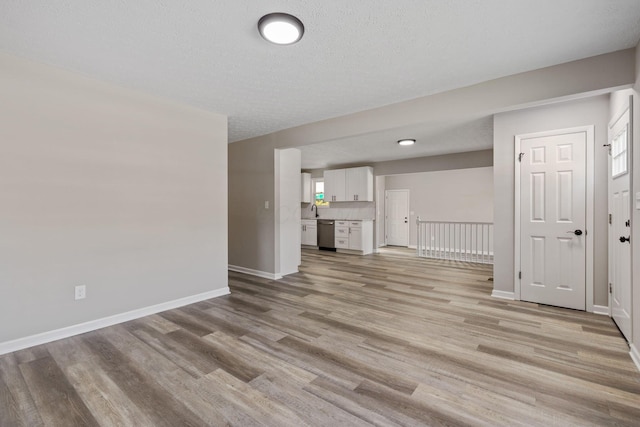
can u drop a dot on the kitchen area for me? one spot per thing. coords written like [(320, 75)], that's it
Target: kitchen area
[(338, 210)]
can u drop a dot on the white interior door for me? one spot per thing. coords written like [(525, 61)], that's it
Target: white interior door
[(620, 223), (553, 219), (397, 217)]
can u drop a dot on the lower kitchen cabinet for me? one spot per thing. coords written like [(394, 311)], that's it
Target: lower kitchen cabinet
[(309, 230), (354, 236)]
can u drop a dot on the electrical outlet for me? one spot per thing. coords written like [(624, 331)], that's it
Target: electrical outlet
[(81, 292)]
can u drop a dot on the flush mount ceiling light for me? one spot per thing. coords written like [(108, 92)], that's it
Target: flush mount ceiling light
[(280, 28), (406, 141)]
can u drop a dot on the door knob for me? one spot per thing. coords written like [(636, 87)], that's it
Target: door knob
[(576, 232), (625, 239)]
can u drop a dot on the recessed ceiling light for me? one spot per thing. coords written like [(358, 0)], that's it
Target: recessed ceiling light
[(280, 28), (406, 141)]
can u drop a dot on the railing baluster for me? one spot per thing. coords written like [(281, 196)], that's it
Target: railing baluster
[(458, 244), (482, 244), (457, 241), (418, 236), (437, 242), (446, 245), (431, 238), (465, 242), (476, 245)]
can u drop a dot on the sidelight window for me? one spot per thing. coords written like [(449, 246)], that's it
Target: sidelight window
[(619, 158)]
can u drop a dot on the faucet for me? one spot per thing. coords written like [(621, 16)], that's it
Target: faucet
[(313, 205)]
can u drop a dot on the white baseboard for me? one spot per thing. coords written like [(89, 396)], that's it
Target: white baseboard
[(601, 309), (352, 252), (635, 355), (258, 273), (92, 325), (413, 247), (281, 274), (503, 295)]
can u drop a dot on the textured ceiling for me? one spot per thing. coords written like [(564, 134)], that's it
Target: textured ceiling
[(454, 137), (355, 55)]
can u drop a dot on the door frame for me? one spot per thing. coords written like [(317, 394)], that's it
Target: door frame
[(628, 109), (589, 172), (386, 216)]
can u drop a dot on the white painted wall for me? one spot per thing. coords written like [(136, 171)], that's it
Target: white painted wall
[(461, 195), (380, 188), (590, 111), (105, 187), (287, 214)]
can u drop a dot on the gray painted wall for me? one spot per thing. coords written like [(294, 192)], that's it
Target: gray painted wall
[(471, 159), (590, 111), (461, 195), (108, 188)]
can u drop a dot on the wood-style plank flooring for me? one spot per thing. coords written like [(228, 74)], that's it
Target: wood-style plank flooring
[(385, 339)]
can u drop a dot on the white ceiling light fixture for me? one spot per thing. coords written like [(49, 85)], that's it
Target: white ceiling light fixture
[(406, 141), (281, 28)]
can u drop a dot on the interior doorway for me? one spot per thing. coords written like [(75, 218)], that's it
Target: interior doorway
[(397, 217), (554, 187)]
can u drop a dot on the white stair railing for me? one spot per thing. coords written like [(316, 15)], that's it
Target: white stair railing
[(458, 241)]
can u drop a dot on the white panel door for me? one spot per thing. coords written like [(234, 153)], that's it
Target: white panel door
[(620, 223), (552, 219), (397, 217)]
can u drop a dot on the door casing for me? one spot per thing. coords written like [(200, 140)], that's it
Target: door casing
[(589, 130)]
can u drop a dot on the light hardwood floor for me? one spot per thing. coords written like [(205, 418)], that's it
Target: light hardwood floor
[(383, 339)]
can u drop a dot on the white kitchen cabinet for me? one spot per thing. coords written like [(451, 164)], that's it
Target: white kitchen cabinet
[(349, 185), (309, 230), (342, 243), (354, 236), (341, 230), (305, 188), (359, 184), (334, 185)]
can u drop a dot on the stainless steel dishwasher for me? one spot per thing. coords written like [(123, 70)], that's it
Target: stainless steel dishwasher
[(326, 234)]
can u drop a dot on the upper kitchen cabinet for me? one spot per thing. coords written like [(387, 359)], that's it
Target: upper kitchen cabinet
[(334, 185), (305, 194), (359, 184), (349, 185)]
